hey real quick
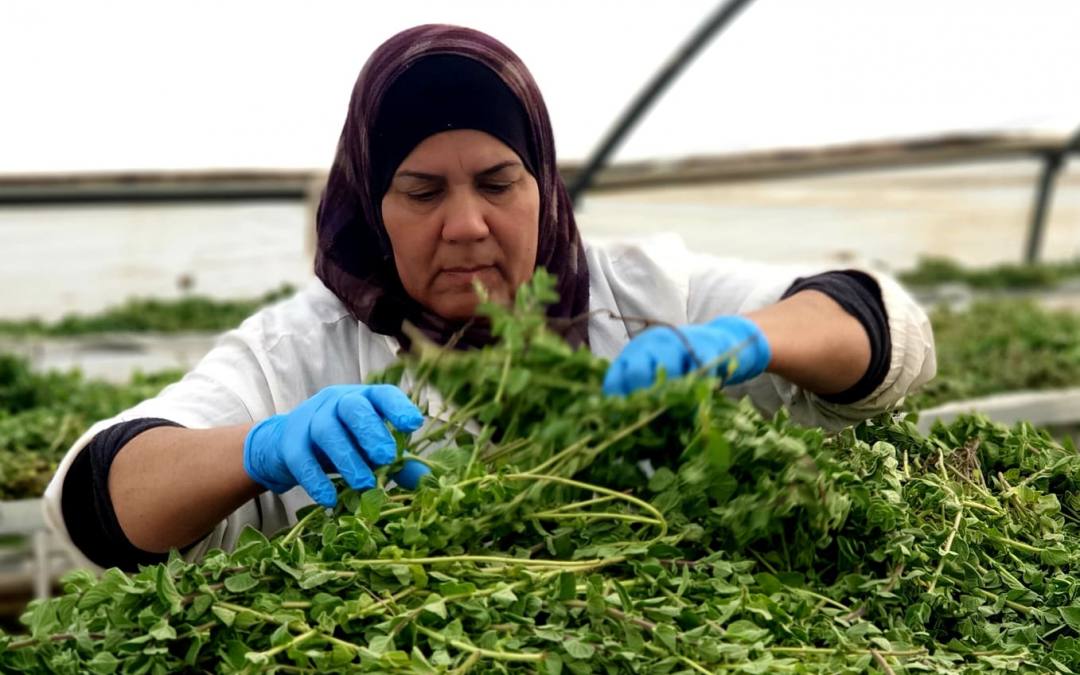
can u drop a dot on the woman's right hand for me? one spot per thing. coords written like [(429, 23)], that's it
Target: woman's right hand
[(341, 428)]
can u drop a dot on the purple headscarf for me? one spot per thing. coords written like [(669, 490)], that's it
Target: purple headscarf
[(354, 257)]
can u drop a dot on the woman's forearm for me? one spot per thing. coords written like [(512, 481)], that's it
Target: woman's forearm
[(815, 343), (170, 486)]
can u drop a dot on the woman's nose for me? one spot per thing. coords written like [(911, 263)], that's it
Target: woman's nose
[(463, 219)]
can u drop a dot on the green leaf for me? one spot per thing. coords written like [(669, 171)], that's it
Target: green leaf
[(241, 583), (504, 597), (745, 631), (226, 616), (199, 605), (578, 649), (662, 479), (166, 590), (288, 569), (103, 663), (553, 665), (632, 638), (381, 644), (769, 583), (250, 545), (456, 588), (667, 635), (567, 586), (314, 578), (163, 631), (371, 503), (436, 606), (41, 618), (1056, 556), (1071, 616)]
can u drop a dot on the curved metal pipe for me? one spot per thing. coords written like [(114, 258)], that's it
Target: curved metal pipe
[(724, 14)]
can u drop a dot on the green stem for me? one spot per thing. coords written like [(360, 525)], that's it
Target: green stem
[(578, 505), (483, 438), (662, 522), (560, 383), (348, 645), (1017, 544), (1020, 655), (389, 600), (616, 614), (945, 550), (254, 612), (608, 442), (941, 465), (983, 507), (505, 449), (1045, 471), (764, 562), (882, 662), (462, 414), (595, 515), (694, 664), (508, 560), (689, 662), (831, 650), (827, 600), (59, 637), (485, 653), (1023, 609), (260, 657), (465, 667), (503, 377), (300, 525), (557, 457)]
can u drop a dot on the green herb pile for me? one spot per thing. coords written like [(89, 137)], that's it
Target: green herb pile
[(42, 415), (999, 346), (191, 313), (540, 545), (932, 271)]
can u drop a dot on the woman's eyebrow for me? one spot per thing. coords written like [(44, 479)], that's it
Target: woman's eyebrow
[(497, 168), (417, 174), (431, 176)]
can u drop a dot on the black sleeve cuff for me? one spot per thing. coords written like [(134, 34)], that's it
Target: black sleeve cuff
[(87, 505), (860, 297)]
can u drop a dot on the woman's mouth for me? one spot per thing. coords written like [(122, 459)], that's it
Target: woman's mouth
[(466, 275)]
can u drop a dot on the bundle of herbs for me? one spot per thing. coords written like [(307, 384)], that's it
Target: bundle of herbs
[(541, 544), (999, 346), (933, 271), (140, 315), (43, 414)]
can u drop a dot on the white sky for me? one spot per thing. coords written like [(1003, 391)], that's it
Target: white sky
[(146, 84)]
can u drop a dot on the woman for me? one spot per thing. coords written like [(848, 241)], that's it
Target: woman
[(445, 175)]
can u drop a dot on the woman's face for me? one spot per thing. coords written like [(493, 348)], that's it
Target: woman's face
[(462, 207)]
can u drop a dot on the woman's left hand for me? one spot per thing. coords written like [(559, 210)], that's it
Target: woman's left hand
[(732, 347)]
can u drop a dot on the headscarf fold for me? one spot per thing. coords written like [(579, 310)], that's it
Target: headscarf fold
[(354, 258)]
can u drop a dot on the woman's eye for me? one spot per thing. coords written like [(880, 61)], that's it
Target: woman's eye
[(423, 196), (496, 188)]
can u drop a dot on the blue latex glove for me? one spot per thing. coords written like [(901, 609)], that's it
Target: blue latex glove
[(342, 430), (722, 343)]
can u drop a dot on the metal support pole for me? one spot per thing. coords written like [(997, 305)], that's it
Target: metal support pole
[(725, 13), (1052, 164), (41, 571)]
